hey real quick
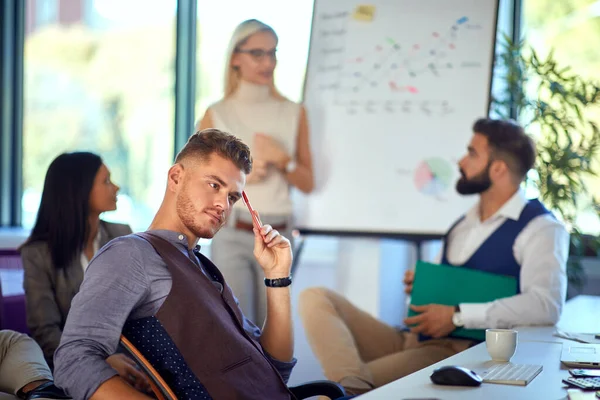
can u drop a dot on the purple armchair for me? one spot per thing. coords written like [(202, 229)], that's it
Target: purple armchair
[(12, 301)]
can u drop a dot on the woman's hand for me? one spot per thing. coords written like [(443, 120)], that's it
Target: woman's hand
[(128, 371), (268, 149), (259, 171)]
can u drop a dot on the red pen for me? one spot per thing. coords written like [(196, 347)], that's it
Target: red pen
[(255, 218)]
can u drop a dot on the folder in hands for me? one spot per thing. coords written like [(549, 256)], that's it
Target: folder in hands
[(448, 285)]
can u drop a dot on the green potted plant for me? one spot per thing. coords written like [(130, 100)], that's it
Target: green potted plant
[(559, 108)]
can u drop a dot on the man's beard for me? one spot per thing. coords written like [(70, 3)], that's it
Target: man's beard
[(477, 184), (187, 214)]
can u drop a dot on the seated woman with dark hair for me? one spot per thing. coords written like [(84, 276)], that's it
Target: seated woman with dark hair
[(67, 233)]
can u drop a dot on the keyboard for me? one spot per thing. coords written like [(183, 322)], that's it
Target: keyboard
[(511, 374)]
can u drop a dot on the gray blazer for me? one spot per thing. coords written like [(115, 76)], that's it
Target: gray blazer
[(49, 290)]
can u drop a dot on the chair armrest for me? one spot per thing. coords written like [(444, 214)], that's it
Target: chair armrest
[(159, 387), (330, 389)]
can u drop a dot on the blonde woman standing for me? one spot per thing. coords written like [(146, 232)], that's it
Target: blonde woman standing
[(276, 130)]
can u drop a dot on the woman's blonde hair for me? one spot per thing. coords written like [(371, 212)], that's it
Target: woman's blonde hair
[(241, 33)]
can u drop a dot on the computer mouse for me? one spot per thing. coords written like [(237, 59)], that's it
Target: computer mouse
[(455, 376)]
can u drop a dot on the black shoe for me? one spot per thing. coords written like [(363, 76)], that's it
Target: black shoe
[(46, 390)]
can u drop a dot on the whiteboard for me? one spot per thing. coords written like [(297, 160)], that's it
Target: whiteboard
[(392, 90)]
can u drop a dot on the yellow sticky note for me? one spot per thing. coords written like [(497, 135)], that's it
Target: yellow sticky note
[(364, 12)]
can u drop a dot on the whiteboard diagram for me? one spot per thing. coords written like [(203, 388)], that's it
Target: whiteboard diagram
[(433, 176), (392, 90), (371, 66)]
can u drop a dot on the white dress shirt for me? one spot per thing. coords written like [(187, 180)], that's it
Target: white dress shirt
[(541, 249)]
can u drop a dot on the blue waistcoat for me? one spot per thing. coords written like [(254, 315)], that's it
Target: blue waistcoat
[(496, 254)]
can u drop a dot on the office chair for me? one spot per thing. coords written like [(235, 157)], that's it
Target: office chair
[(162, 391)]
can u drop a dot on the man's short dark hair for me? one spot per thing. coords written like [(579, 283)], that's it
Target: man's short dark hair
[(204, 143), (508, 142)]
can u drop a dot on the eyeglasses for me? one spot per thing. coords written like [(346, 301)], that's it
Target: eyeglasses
[(259, 54)]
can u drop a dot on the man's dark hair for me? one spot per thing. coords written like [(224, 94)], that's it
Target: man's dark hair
[(508, 142), (204, 143)]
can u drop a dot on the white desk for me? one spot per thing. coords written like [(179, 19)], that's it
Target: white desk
[(11, 238), (545, 386), (536, 345), (581, 315)]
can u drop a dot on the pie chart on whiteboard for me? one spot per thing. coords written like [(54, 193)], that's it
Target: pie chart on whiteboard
[(434, 176)]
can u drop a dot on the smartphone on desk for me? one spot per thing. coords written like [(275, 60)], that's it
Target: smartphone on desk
[(585, 373)]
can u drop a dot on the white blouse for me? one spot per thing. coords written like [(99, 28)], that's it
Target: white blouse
[(84, 260)]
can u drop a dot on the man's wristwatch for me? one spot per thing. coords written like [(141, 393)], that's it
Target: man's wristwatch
[(290, 166), (457, 317), (279, 282)]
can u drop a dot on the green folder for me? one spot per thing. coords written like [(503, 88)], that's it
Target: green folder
[(445, 284)]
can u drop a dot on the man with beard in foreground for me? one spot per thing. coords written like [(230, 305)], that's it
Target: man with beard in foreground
[(504, 233), (173, 304)]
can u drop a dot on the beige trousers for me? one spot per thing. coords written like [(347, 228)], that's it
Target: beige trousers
[(21, 362), (349, 342)]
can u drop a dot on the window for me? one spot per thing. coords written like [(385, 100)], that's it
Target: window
[(290, 19), (46, 12), (99, 76), (572, 29)]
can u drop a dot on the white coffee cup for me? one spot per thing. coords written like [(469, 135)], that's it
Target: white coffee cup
[(501, 343)]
